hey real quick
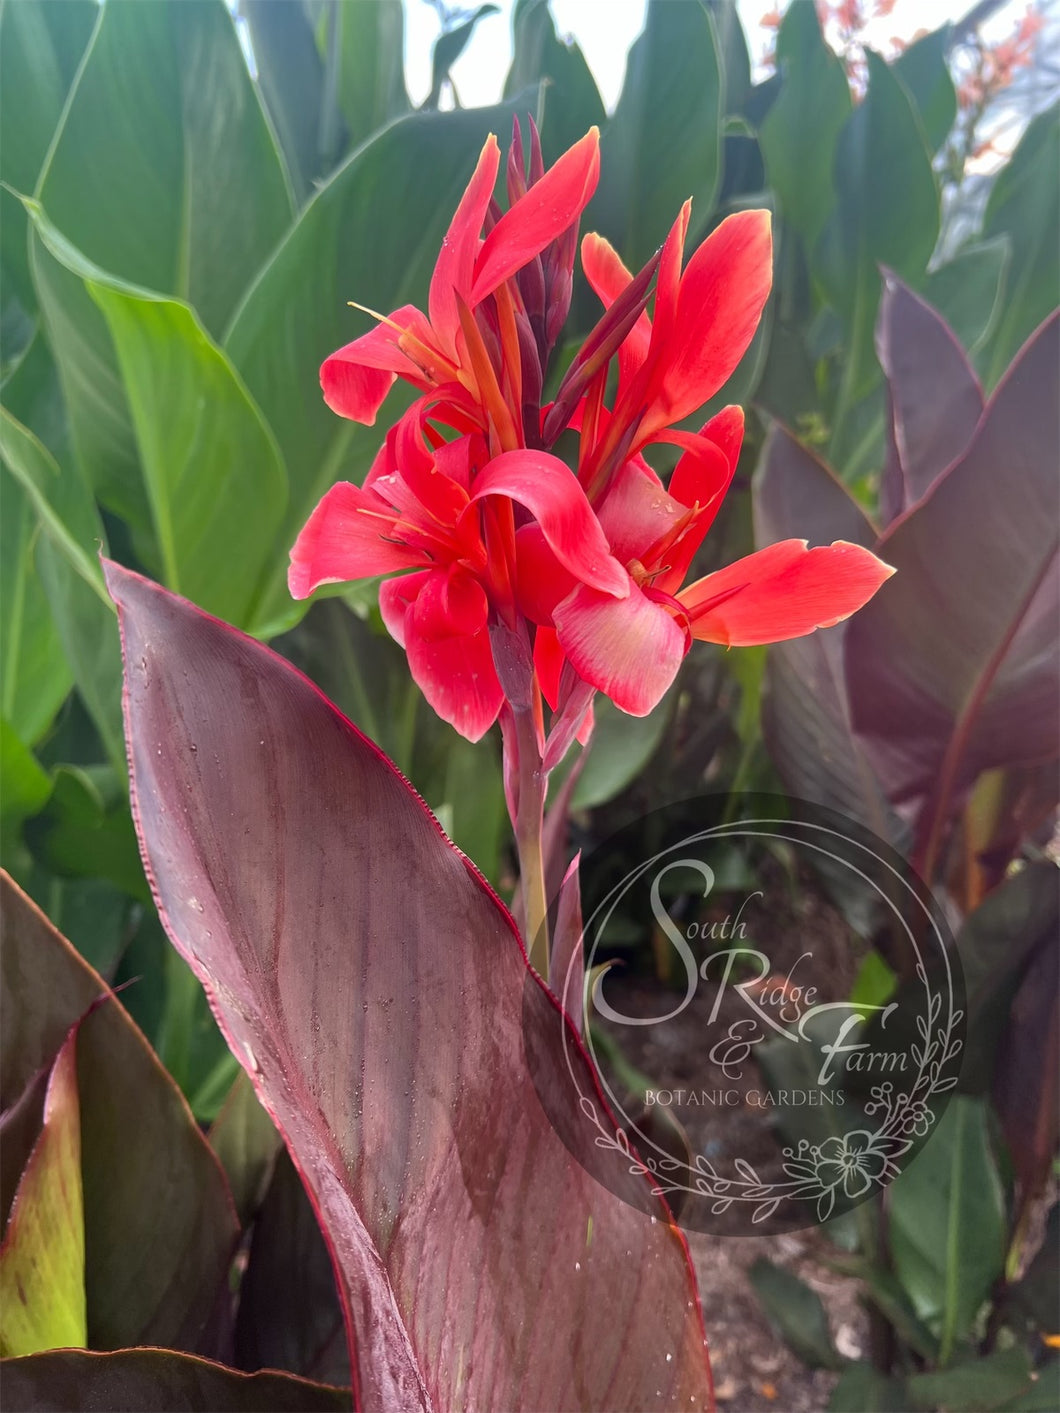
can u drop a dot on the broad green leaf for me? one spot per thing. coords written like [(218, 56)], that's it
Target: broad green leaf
[(887, 213), (290, 78), (967, 290), (159, 1222), (1024, 205), (734, 54), (664, 142), (947, 1227), (41, 43), (24, 785), (188, 1042), (620, 748), (888, 209), (63, 503), (369, 41), (214, 478), (1043, 1395), (157, 1381), (91, 913), (571, 100), (31, 392), (192, 197), (246, 1142), (214, 475), (100, 425), (474, 792), (34, 677), (796, 1314), (924, 70), (798, 135), (81, 833), (70, 576), (42, 1260), (863, 1389), (975, 1386), (372, 234)]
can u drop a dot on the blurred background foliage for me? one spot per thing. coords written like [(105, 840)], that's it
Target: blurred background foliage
[(189, 199)]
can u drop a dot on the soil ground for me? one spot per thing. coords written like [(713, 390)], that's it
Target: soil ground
[(753, 1369)]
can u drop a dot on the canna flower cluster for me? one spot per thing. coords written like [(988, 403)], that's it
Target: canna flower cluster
[(518, 576)]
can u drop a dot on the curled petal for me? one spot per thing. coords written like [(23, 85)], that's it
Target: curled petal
[(356, 379), (783, 591), (454, 269), (630, 649), (722, 294), (551, 493), (345, 539), (453, 669), (550, 206)]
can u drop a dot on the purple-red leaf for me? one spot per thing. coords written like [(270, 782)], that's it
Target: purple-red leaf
[(805, 710), (953, 667), (156, 1381), (934, 396), (376, 993)]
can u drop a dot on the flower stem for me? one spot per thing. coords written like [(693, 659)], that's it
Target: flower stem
[(529, 822)]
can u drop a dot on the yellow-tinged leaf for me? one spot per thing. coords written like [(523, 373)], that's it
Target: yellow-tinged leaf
[(42, 1260)]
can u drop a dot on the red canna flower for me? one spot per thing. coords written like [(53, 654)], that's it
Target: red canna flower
[(446, 510), (448, 351), (630, 646)]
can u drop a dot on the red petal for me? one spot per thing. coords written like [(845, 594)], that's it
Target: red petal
[(453, 670), (637, 511), (668, 281), (343, 540), (540, 580), (702, 476), (630, 649), (454, 269), (551, 493), (396, 597), (783, 591), (548, 663), (723, 291), (357, 378), (546, 211), (609, 277)]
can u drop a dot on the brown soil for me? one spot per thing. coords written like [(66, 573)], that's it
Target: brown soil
[(753, 1369)]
